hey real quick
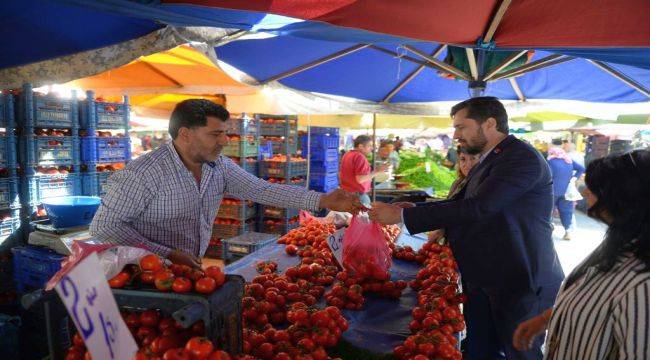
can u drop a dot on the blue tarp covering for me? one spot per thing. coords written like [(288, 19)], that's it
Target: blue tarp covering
[(382, 324)]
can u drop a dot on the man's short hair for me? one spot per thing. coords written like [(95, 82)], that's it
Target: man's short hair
[(194, 113), (361, 140), (482, 108)]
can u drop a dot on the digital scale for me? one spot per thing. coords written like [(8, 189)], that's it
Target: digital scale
[(57, 239)]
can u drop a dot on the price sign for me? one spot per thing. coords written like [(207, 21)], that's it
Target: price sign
[(90, 303), (335, 242)]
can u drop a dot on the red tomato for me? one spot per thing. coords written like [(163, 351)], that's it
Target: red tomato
[(199, 348), (219, 355), (166, 323), (119, 280), (176, 354), (75, 353), (144, 331), (205, 285), (181, 285), (151, 262), (198, 328), (150, 318), (164, 280), (77, 340), (213, 271), (147, 277), (164, 343), (291, 250), (220, 279)]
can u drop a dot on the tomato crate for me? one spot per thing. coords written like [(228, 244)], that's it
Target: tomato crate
[(278, 226), (9, 225), (8, 158), (247, 244), (297, 181), (215, 249), (101, 150), (34, 266), (49, 150), (9, 197), (7, 119), (95, 183), (249, 164), (39, 187), (226, 231), (243, 125), (220, 311), (278, 213), (286, 169), (278, 125), (329, 156), (320, 130), (47, 111), (242, 148), (324, 182), (241, 211), (279, 145), (104, 115), (319, 142)]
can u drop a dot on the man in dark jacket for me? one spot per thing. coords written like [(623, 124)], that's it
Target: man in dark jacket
[(499, 229)]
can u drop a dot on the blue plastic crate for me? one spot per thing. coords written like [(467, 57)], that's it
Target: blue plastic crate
[(94, 183), (319, 130), (323, 167), (47, 111), (99, 150), (330, 156), (10, 223), (243, 126), (280, 146), (324, 183), (104, 115), (248, 164), (242, 148), (320, 142), (278, 125), (278, 226), (39, 187), (278, 213), (7, 115), (8, 153), (34, 266), (289, 169), (246, 244), (49, 150), (9, 193)]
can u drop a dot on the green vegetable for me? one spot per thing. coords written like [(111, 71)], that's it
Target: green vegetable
[(439, 177)]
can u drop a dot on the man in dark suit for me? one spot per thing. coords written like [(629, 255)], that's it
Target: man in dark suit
[(499, 229)]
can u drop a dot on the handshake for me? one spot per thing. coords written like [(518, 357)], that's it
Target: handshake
[(341, 200)]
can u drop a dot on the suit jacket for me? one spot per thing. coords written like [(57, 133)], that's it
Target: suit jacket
[(499, 225)]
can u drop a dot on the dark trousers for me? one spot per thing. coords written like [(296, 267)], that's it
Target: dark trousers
[(565, 208), (492, 317)]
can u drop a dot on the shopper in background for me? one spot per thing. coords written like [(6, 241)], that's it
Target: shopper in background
[(576, 156), (565, 172), (398, 144), (355, 173), (466, 162), (603, 308), (388, 154)]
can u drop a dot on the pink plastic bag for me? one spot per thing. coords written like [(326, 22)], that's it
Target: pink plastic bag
[(366, 254)]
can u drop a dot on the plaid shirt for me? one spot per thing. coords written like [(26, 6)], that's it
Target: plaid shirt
[(156, 203)]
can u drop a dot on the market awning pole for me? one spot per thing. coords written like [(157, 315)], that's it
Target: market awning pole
[(374, 151), (308, 150)]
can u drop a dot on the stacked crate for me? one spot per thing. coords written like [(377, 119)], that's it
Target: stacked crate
[(279, 139), (596, 148), (49, 149), (237, 216), (618, 147), (323, 145), (105, 142)]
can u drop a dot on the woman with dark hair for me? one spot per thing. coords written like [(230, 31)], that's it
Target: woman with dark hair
[(603, 308)]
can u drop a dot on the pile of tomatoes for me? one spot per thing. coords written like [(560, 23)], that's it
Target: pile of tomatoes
[(438, 315), (159, 338), (177, 278), (283, 158)]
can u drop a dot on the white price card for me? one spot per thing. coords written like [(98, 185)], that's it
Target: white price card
[(90, 303), (335, 242)]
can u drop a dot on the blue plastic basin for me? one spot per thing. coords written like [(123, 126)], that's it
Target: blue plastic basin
[(71, 211)]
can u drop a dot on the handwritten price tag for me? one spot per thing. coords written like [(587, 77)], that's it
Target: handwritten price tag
[(90, 303), (335, 242)]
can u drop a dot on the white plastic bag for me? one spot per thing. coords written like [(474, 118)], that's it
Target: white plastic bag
[(572, 193)]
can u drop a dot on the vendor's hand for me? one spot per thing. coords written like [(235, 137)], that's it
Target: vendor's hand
[(528, 330), (182, 258), (386, 214), (404, 204), (341, 200), (436, 235)]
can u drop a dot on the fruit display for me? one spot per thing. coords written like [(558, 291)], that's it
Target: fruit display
[(52, 132), (281, 158), (152, 273), (54, 170), (222, 221), (294, 180)]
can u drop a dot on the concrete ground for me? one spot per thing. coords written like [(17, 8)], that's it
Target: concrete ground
[(587, 234)]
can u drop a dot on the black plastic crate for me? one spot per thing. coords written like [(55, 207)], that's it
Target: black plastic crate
[(249, 164), (49, 150), (278, 226), (243, 210), (243, 125), (226, 231), (47, 111), (278, 125), (104, 115), (278, 213), (287, 169), (242, 148), (247, 244)]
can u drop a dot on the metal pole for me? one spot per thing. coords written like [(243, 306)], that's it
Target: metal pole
[(442, 65), (624, 78), (308, 150), (374, 151)]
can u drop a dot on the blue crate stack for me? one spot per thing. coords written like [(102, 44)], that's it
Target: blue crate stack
[(243, 147), (100, 151), (279, 136), (323, 145), (48, 148)]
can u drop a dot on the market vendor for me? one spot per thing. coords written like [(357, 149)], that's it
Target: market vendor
[(167, 200), (355, 173), (498, 226)]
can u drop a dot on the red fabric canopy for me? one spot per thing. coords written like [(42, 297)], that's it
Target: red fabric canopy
[(527, 23)]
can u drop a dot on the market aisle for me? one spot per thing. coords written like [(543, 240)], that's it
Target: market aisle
[(587, 235)]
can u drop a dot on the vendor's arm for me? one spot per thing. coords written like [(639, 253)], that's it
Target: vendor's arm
[(507, 182), (381, 168), (123, 203), (241, 183), (579, 170)]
